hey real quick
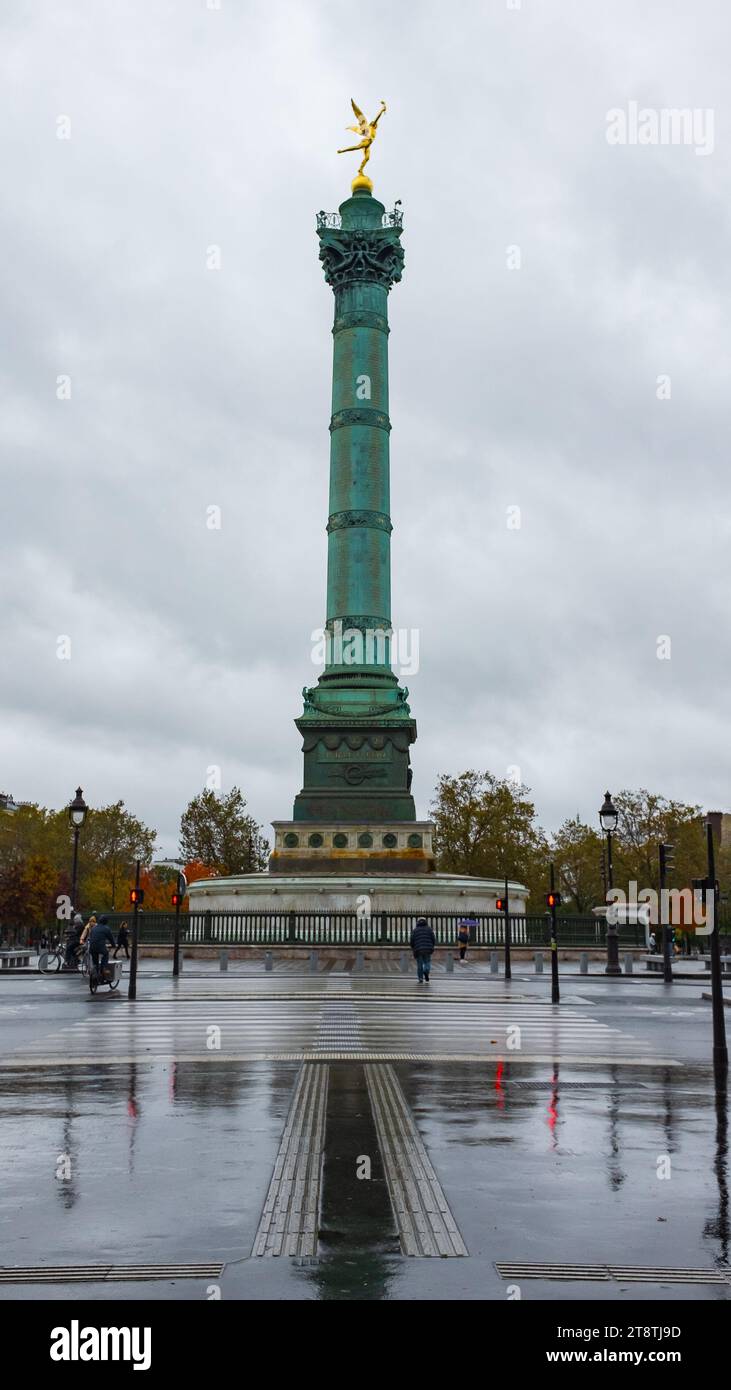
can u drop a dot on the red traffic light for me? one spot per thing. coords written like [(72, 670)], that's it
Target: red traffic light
[(553, 900), (137, 896), (176, 900), (499, 904)]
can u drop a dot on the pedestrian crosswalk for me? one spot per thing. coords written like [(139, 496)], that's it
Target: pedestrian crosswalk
[(336, 1024)]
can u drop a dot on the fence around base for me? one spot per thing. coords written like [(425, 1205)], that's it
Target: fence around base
[(350, 929)]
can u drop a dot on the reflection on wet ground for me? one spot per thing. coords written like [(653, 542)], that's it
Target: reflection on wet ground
[(153, 1163)]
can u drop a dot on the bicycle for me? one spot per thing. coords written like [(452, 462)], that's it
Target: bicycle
[(109, 974), (51, 962)]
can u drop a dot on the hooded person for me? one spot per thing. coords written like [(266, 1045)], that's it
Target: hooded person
[(423, 942), (100, 939)]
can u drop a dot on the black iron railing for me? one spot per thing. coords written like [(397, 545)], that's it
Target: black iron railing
[(352, 929)]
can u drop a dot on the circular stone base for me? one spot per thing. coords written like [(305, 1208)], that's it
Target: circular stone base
[(421, 893)]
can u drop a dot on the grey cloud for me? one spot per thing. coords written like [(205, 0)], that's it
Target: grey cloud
[(194, 388)]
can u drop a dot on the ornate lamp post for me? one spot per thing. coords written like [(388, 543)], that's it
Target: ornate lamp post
[(77, 815), (608, 816)]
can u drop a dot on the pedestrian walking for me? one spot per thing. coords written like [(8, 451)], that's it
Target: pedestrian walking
[(122, 941), (463, 940), (423, 942)]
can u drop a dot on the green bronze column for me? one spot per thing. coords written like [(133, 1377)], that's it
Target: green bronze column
[(356, 724), (359, 525)]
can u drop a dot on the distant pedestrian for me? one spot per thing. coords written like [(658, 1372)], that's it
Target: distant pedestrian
[(423, 942), (463, 940), (122, 941), (652, 943)]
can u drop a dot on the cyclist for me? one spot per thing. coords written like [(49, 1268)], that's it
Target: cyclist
[(85, 933), (100, 938)]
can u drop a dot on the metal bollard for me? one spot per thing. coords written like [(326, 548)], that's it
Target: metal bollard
[(223, 960), (584, 963), (538, 958), (494, 963), (313, 962), (628, 964), (268, 960), (404, 963), (358, 961), (450, 963)]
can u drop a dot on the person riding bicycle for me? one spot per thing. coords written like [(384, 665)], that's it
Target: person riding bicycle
[(73, 939), (91, 923), (100, 937)]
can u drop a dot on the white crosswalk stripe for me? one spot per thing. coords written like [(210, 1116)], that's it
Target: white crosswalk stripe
[(236, 1028)]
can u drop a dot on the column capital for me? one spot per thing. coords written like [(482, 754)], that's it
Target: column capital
[(371, 255)]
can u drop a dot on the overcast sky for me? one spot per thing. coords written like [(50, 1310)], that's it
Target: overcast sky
[(191, 388)]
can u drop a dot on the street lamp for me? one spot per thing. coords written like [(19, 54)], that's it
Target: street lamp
[(77, 815), (608, 817)]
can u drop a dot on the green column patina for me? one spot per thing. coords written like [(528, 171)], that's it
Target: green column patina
[(356, 725)]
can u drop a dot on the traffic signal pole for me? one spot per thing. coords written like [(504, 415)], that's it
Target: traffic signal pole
[(720, 1050), (553, 900), (508, 969), (132, 991), (176, 943), (666, 863), (181, 889)]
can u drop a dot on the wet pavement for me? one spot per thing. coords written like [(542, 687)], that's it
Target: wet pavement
[(127, 1140)]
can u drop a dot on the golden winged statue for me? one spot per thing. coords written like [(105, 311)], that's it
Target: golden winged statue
[(367, 129)]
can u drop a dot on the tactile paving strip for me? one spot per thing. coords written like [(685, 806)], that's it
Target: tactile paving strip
[(288, 1224), (106, 1274), (636, 1274), (425, 1223)]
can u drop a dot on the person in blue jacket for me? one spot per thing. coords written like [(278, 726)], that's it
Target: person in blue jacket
[(100, 938), (423, 942)]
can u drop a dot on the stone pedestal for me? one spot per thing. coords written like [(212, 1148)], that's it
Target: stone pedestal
[(388, 847), (367, 894)]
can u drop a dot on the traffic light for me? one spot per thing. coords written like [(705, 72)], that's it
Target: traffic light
[(553, 900), (667, 858), (176, 900), (499, 904), (703, 886), (137, 896)]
